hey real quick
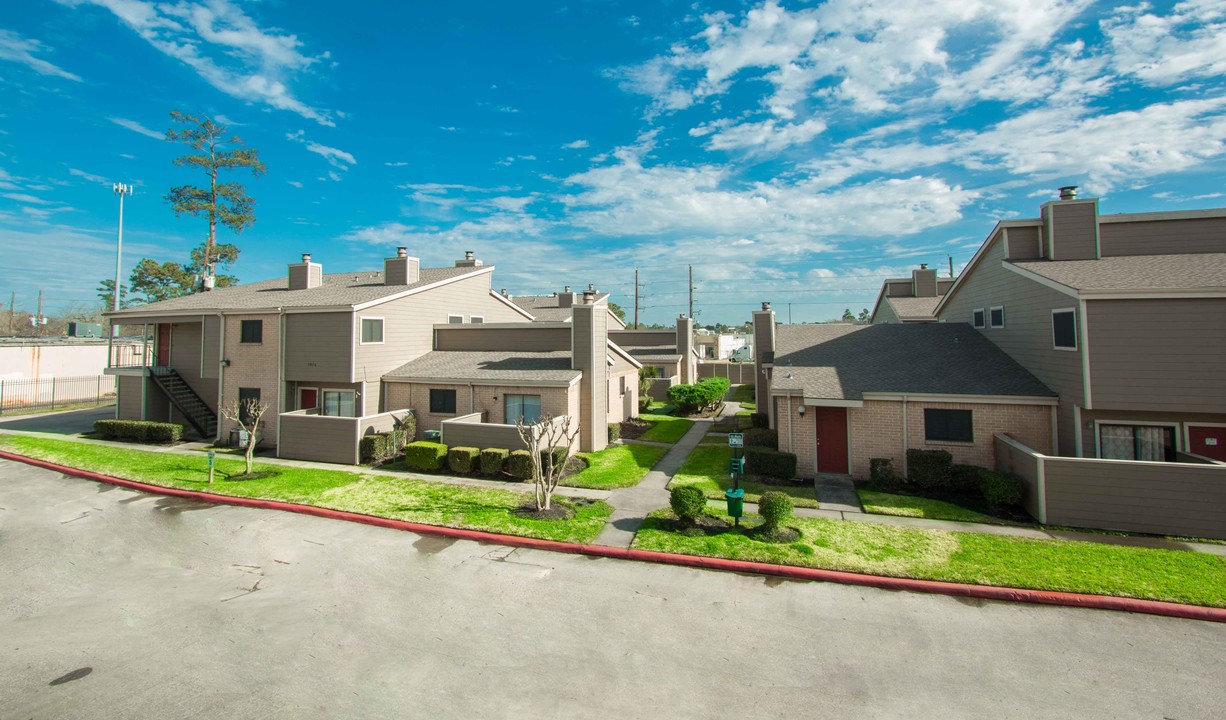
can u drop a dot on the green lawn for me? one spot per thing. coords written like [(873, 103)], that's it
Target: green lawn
[(707, 468), (882, 503), (744, 394), (979, 559), (715, 438), (432, 503), (618, 466), (666, 429)]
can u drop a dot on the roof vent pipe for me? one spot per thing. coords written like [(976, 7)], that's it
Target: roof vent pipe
[(402, 252), (766, 306), (306, 257), (1068, 192)]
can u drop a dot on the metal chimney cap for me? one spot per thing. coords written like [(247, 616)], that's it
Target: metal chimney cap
[(469, 254), (766, 306), (402, 251), (923, 266), (566, 289), (1068, 192), (306, 257)]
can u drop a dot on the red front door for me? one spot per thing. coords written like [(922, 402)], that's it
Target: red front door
[(1208, 441), (163, 351), (831, 439), (308, 398)]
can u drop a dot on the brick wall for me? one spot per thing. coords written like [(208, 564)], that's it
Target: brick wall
[(554, 401), (252, 365)]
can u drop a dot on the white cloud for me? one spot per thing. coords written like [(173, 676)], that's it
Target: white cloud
[(295, 183), (22, 50), (138, 128), (24, 198), (337, 158), (395, 164), (447, 128), (224, 46), (1190, 42), (223, 120), (575, 145), (86, 176), (764, 136)]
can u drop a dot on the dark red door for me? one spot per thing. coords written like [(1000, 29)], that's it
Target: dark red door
[(1208, 441), (831, 439), (308, 398), (163, 351)]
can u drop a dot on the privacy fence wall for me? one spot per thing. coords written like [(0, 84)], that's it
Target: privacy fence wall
[(737, 373), (1163, 498)]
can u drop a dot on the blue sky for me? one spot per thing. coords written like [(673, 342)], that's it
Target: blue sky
[(790, 152)]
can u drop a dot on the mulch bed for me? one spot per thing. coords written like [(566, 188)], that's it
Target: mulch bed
[(633, 428), (702, 525), (557, 511), (780, 535)]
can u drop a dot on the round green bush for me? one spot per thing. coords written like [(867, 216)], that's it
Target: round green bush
[(774, 507), (687, 501)]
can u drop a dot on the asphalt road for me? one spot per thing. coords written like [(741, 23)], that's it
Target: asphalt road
[(116, 604)]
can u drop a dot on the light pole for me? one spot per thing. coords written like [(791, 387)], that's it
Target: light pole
[(120, 190)]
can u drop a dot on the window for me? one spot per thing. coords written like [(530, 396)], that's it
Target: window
[(252, 331), (996, 316), (621, 384), (455, 319), (1137, 442), (245, 394), (476, 320), (339, 403), (1064, 329), (372, 331), (525, 407), (977, 318), (442, 401), (948, 426)]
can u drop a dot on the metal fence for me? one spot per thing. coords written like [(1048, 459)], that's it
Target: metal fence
[(50, 393)]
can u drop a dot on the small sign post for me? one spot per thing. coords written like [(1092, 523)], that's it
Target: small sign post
[(736, 440), (212, 462)]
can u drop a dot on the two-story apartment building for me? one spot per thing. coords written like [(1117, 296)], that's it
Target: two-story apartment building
[(912, 299)]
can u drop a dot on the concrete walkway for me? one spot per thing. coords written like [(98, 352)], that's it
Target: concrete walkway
[(837, 492)]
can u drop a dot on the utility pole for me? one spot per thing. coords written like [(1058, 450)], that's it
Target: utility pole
[(120, 189), (951, 265), (636, 298), (38, 320), (12, 304), (691, 292)]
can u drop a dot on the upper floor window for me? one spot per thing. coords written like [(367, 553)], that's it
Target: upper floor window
[(948, 425), (1064, 329), (442, 401), (455, 319), (977, 318), (996, 317), (372, 331), (252, 331), (476, 319)]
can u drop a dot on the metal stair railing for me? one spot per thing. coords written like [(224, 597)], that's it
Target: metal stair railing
[(181, 395)]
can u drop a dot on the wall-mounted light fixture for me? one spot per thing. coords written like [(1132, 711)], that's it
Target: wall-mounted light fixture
[(225, 363), (801, 409)]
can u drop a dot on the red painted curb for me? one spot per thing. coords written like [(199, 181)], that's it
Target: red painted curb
[(1042, 597)]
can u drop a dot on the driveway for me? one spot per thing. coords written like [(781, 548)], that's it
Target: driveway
[(72, 422), (118, 604)]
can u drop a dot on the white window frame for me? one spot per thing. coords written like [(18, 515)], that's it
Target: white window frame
[(323, 404), (382, 329), (983, 314), (992, 309), (1054, 346), (455, 319), (476, 319), (318, 397)]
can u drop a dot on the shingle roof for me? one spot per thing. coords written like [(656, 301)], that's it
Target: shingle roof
[(842, 362), (653, 353), (508, 366), (1205, 271), (910, 308), (545, 308), (337, 289)]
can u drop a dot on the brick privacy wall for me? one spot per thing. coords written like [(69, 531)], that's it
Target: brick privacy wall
[(554, 401), (252, 366), (876, 432)]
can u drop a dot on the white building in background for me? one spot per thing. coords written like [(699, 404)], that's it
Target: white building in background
[(713, 346)]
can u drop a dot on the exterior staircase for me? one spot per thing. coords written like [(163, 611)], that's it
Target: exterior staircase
[(186, 401)]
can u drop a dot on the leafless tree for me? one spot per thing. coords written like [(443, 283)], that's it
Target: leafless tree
[(541, 438), (247, 414)]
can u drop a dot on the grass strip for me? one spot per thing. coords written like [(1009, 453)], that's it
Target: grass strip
[(618, 466), (665, 428), (707, 468), (979, 559), (422, 501), (882, 503)]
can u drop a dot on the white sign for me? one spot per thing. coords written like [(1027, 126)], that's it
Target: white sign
[(736, 440), (1211, 441)]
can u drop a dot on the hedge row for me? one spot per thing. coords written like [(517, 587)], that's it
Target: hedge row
[(434, 456), (139, 431), (703, 395), (771, 463), (377, 447), (934, 470)]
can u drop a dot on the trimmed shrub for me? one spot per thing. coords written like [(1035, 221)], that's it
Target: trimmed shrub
[(881, 472), (1000, 490), (702, 395), (760, 420), (762, 438), (929, 468), (559, 453), (964, 478), (772, 463), (519, 464), (774, 507), (463, 460), (687, 501), (615, 432), (375, 446), (492, 460), (425, 455), (139, 431)]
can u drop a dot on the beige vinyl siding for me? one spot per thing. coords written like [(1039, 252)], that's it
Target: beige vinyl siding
[(319, 439), (1158, 354), (1024, 243), (128, 401), (886, 314), (185, 359), (900, 288), (1027, 335), (1163, 237), (529, 338), (1073, 231), (318, 346), (643, 338), (408, 323), (212, 347)]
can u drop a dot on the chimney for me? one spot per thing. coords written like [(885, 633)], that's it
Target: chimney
[(1068, 192), (402, 269), (685, 347), (589, 295), (503, 292), (306, 274), (763, 353), (589, 340), (566, 298), (1070, 227), (470, 260), (924, 282)]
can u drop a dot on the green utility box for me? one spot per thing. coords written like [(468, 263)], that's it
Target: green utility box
[(736, 466), (736, 502), (432, 435)]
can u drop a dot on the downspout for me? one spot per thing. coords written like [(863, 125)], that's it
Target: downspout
[(145, 373), (221, 370), (281, 371), (905, 440), (789, 421)]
